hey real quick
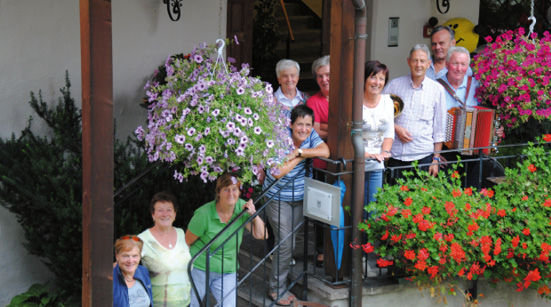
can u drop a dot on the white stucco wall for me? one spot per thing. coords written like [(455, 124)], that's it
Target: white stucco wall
[(41, 39), (413, 15), (19, 269)]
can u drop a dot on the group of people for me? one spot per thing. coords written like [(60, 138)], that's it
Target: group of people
[(165, 252), (416, 134)]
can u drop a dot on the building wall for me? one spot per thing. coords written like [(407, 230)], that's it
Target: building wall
[(413, 15), (41, 39)]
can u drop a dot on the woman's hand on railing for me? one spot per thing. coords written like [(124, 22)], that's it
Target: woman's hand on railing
[(249, 206)]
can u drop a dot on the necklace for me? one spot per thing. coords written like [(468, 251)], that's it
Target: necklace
[(129, 280)]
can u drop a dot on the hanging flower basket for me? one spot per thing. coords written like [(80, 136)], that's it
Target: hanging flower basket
[(206, 118), (514, 73)]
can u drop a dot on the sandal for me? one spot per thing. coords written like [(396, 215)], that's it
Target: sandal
[(286, 300)]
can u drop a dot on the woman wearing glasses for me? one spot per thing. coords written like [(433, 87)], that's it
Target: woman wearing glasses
[(131, 283), (165, 254)]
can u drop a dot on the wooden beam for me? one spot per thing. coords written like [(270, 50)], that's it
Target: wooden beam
[(97, 152), (340, 108)]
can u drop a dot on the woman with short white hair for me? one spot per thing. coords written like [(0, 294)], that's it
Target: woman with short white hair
[(287, 94)]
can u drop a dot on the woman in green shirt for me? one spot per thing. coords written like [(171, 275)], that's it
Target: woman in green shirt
[(206, 223)]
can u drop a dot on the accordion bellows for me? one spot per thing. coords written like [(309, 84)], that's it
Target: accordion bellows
[(470, 128)]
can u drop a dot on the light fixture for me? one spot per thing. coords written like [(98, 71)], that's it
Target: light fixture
[(174, 8), (444, 7)]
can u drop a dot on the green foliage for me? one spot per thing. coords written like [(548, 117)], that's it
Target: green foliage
[(38, 295), (436, 231), (41, 183)]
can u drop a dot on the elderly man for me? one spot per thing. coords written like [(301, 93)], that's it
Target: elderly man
[(460, 87), (287, 94), (460, 92), (442, 38), (420, 128), (284, 210)]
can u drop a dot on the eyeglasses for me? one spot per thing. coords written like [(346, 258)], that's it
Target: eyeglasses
[(135, 238)]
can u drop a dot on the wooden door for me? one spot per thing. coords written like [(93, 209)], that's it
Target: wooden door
[(240, 24)]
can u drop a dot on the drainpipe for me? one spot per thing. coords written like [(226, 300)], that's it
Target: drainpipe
[(360, 25)]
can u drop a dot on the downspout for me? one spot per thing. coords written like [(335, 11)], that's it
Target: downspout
[(360, 25)]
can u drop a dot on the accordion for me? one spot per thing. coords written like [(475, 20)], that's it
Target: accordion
[(473, 127)]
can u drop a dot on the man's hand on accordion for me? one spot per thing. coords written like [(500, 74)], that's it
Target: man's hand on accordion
[(403, 134)]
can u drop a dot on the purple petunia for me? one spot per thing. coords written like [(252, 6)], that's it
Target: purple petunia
[(191, 131), (198, 58), (188, 147), (215, 112), (240, 91), (248, 111), (270, 143), (230, 126), (257, 130)]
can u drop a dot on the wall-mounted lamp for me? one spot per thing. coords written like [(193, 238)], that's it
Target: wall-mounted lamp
[(427, 28), (443, 6), (174, 8)]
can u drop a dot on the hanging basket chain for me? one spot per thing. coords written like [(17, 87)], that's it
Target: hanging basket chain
[(220, 59), (532, 18)]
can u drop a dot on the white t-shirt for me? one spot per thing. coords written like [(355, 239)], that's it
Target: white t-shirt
[(378, 125)]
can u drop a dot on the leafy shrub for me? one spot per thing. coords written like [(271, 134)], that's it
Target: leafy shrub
[(41, 183), (435, 231)]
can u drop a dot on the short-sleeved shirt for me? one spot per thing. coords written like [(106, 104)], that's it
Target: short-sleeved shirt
[(460, 92), (292, 189), (424, 116), (206, 224), (168, 269), (378, 125), (320, 105), (289, 104)]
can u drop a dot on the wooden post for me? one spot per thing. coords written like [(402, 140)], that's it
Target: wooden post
[(97, 152), (340, 106)]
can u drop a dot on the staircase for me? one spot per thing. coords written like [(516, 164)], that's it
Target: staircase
[(306, 47)]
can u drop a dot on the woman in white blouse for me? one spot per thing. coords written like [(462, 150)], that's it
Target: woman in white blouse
[(378, 129), (166, 255)]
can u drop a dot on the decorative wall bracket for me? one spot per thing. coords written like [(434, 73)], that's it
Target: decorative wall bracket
[(443, 6), (174, 8)]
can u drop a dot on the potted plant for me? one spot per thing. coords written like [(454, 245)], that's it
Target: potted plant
[(438, 232), (514, 72), (207, 118)]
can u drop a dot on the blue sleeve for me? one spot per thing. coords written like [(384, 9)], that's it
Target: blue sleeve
[(315, 139)]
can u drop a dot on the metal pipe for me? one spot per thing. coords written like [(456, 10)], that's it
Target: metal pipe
[(360, 25)]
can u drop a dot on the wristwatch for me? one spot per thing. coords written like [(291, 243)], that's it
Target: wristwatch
[(299, 152)]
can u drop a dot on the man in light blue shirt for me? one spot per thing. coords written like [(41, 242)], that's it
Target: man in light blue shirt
[(460, 87), (442, 38), (420, 128)]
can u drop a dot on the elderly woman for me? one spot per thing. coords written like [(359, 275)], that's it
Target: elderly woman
[(166, 254), (378, 129), (287, 94), (319, 102), (207, 222), (131, 283)]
